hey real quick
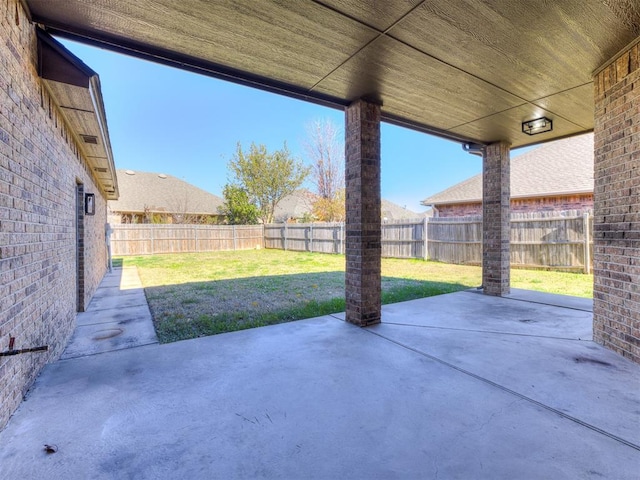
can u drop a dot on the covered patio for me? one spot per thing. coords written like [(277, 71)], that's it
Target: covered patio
[(462, 385), (467, 385), (492, 75)]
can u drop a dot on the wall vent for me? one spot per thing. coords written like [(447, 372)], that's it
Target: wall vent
[(100, 169), (92, 139)]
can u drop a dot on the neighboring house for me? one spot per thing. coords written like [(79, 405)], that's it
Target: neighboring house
[(553, 177), (56, 175), (295, 207), (298, 207), (391, 211), (147, 197)]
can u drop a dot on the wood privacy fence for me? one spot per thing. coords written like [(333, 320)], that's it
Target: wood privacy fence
[(400, 239), (140, 239), (557, 240), (305, 237)]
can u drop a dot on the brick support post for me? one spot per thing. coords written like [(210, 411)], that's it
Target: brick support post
[(496, 226), (616, 265), (363, 230)]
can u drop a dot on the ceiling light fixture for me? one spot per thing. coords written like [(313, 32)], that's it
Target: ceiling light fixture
[(539, 125)]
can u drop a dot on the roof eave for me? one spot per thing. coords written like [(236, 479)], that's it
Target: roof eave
[(565, 193), (433, 203), (74, 87)]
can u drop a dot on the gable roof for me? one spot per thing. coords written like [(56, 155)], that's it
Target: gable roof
[(160, 193), (301, 201), (295, 205), (393, 211), (562, 167)]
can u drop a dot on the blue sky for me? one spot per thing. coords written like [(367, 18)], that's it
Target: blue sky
[(171, 121)]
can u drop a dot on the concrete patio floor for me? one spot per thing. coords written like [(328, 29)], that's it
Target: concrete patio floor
[(456, 386)]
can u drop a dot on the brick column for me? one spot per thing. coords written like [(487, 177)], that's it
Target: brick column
[(496, 227), (363, 230), (616, 262)]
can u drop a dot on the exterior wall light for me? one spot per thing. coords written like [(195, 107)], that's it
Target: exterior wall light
[(539, 125), (90, 203)]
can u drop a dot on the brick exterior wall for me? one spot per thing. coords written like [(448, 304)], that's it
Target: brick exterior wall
[(496, 226), (363, 224), (40, 166), (552, 204), (616, 315), (458, 210), (523, 205)]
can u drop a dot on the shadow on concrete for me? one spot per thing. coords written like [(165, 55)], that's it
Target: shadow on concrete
[(195, 309)]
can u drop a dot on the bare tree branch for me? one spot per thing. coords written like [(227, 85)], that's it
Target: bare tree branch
[(325, 152)]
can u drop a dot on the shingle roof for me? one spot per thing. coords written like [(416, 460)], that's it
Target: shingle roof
[(301, 201), (158, 192), (295, 205), (562, 167), (393, 211)]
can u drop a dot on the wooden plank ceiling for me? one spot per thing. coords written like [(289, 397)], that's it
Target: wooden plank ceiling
[(468, 70)]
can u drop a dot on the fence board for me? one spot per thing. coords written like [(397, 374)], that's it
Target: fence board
[(403, 239), (455, 240)]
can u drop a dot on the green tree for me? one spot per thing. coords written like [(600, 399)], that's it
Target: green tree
[(267, 177), (237, 208)]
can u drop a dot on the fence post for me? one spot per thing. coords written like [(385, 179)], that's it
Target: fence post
[(152, 240), (587, 248), (195, 236), (285, 235), (341, 239), (425, 239), (233, 230), (311, 238)]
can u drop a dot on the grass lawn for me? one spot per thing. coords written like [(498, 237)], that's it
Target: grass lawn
[(193, 295)]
